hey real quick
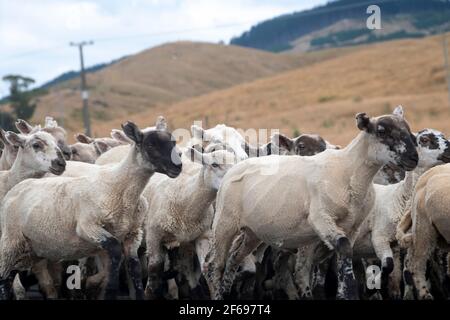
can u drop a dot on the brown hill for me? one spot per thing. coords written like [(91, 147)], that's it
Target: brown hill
[(324, 97), (164, 75)]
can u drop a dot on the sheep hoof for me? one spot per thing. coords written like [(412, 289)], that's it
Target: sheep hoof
[(427, 296), (5, 290)]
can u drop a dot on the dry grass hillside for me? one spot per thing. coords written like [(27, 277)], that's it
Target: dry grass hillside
[(324, 97), (161, 76)]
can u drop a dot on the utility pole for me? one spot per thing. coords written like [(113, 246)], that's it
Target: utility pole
[(447, 67), (84, 92)]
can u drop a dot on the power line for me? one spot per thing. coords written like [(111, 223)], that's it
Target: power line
[(84, 92), (280, 18), (310, 12)]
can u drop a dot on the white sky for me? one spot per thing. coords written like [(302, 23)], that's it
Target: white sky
[(34, 34)]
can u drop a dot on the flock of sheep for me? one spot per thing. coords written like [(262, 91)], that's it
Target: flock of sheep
[(220, 218)]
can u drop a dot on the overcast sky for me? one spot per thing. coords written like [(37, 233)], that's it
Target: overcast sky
[(34, 34)]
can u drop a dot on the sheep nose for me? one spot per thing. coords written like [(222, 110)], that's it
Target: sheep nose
[(67, 154), (60, 162)]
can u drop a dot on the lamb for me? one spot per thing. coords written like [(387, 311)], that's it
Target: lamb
[(9, 153), (219, 134), (305, 144), (37, 154), (88, 149), (179, 209), (311, 201), (389, 175), (85, 220), (51, 127), (377, 234), (430, 226)]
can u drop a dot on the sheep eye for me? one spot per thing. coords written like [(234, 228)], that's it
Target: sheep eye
[(381, 130), (424, 140), (36, 146), (215, 165), (301, 146)]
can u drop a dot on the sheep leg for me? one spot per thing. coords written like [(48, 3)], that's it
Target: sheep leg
[(216, 257), (6, 286), (243, 245), (334, 237), (13, 258), (155, 267), (114, 250), (419, 252), (384, 252), (283, 279), (320, 275), (134, 269), (408, 293), (303, 271), (187, 279), (395, 277), (96, 284), (90, 231), (45, 280)]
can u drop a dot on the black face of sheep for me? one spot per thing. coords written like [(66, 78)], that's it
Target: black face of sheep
[(309, 145), (392, 132), (157, 147)]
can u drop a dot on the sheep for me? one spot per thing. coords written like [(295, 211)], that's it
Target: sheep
[(37, 154), (178, 210), (219, 134), (9, 153), (377, 236), (51, 126), (88, 149), (430, 227), (389, 175), (319, 200), (116, 154), (69, 219), (305, 144)]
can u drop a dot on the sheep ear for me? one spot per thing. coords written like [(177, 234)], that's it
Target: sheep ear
[(120, 136), (266, 149), (132, 131), (363, 122), (194, 155), (50, 123), (398, 111), (198, 147), (3, 137), (414, 138), (282, 142), (14, 139), (161, 123), (23, 126), (250, 150), (81, 137), (198, 132), (101, 146)]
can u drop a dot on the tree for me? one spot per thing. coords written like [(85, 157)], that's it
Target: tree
[(20, 97), (19, 100)]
